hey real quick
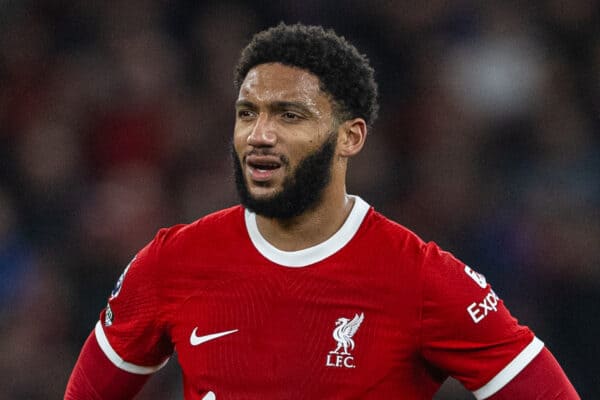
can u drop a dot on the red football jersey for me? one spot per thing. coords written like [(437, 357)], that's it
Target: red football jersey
[(371, 313)]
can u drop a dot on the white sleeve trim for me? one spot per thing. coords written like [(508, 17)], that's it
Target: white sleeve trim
[(117, 360), (511, 370)]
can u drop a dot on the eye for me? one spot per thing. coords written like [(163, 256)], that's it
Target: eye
[(245, 114), (290, 116)]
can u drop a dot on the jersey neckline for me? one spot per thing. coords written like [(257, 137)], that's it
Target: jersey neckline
[(314, 254)]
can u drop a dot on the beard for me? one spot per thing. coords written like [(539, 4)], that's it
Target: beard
[(300, 192)]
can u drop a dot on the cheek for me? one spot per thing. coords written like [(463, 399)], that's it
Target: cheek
[(299, 153), (239, 140)]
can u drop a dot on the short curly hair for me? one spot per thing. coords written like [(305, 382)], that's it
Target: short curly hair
[(343, 72)]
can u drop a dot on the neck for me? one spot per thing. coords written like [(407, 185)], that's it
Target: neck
[(311, 228)]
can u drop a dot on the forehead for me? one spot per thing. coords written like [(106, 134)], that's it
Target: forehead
[(277, 82)]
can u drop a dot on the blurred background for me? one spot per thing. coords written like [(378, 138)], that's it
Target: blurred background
[(116, 117)]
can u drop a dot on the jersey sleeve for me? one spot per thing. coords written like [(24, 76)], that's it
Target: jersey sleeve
[(467, 332), (542, 379), (95, 377), (131, 331)]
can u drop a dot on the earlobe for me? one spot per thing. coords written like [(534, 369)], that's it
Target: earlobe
[(353, 134)]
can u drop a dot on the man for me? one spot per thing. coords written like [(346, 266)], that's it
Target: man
[(304, 291)]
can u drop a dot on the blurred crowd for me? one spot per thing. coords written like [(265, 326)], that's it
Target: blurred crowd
[(116, 119)]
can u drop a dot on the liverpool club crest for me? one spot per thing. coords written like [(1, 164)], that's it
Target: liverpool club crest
[(344, 331)]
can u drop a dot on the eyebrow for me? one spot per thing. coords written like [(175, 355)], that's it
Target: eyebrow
[(278, 106), (244, 104)]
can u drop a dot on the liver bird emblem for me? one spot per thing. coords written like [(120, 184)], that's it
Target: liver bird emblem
[(344, 331)]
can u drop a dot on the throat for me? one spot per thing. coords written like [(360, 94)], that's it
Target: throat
[(307, 230)]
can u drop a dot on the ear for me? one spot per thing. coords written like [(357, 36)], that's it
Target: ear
[(351, 137)]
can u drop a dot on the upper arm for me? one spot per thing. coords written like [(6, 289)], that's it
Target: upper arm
[(131, 333), (131, 330), (466, 330), (130, 341)]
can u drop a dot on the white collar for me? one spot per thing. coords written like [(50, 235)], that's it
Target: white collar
[(310, 255)]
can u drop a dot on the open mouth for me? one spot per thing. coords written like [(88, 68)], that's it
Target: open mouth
[(262, 168)]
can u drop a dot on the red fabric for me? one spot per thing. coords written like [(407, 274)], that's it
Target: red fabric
[(542, 379), (95, 377), (467, 331), (426, 316)]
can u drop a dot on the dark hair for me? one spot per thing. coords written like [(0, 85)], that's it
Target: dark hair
[(344, 73)]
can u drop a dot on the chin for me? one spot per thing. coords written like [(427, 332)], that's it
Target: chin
[(263, 194)]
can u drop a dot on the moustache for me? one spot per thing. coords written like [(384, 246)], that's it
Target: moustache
[(266, 153)]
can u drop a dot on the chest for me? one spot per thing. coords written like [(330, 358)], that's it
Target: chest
[(338, 331)]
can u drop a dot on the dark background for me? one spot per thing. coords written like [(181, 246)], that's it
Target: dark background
[(116, 117)]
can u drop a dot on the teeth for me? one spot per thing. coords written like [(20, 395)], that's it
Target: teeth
[(265, 167)]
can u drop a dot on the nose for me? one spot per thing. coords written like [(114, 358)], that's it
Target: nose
[(263, 133)]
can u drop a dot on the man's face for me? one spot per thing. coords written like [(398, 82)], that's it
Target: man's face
[(284, 140)]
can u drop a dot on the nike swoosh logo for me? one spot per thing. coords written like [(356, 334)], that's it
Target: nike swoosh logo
[(196, 340)]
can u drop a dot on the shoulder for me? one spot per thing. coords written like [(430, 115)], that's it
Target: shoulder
[(389, 234), (167, 261), (218, 224), (176, 244), (433, 258), (436, 268)]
